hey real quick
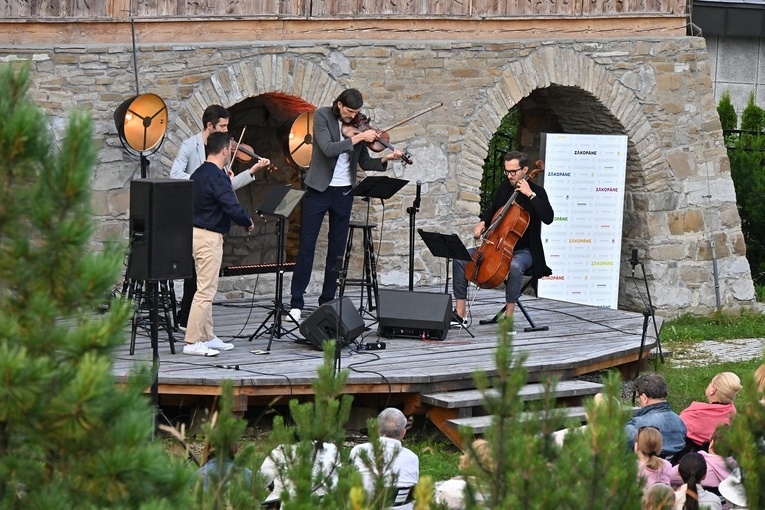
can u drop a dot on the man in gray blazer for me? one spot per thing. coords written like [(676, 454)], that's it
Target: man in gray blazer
[(190, 157), (337, 154)]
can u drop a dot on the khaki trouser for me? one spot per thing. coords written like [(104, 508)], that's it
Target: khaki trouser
[(208, 256)]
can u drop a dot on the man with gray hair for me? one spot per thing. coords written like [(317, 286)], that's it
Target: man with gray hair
[(401, 467), (654, 411)]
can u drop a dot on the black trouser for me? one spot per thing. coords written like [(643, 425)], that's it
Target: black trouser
[(189, 289)]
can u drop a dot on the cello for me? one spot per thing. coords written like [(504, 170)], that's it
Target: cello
[(490, 263)]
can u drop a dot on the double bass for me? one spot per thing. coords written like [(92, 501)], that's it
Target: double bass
[(490, 262)]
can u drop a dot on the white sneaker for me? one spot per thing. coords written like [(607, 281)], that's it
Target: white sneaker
[(199, 349), (294, 315), (217, 343)]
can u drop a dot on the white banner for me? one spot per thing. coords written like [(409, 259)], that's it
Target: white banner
[(584, 178)]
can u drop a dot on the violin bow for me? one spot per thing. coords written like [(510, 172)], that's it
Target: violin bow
[(423, 112), (238, 143)]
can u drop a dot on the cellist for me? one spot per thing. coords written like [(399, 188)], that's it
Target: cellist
[(528, 253)]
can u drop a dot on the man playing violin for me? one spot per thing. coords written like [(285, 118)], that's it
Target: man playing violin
[(528, 253), (190, 157), (335, 158)]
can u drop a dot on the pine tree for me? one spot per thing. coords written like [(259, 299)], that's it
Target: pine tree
[(745, 442), (592, 470), (727, 113), (70, 436)]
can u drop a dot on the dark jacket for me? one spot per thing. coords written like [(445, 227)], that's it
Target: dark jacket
[(215, 203), (539, 210), (328, 144)]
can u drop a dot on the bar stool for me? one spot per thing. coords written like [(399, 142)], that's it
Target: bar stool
[(368, 278)]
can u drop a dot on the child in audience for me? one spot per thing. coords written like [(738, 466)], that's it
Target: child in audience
[(654, 469), (658, 496), (452, 492), (691, 495), (702, 418), (718, 467)]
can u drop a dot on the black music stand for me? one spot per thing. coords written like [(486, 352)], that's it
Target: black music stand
[(376, 186), (280, 203), (447, 246)]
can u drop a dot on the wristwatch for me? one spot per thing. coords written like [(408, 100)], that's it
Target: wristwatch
[(533, 195)]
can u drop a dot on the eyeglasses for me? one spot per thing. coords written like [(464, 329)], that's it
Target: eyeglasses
[(513, 171)]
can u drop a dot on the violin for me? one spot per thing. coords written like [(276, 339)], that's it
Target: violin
[(490, 263), (359, 124), (245, 154)]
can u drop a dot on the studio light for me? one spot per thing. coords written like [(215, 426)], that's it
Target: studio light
[(141, 123), (296, 136)]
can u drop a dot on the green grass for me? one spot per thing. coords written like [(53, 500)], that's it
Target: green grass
[(719, 326)]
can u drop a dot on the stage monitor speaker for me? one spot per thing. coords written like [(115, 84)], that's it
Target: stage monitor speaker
[(161, 215), (414, 314), (321, 325)]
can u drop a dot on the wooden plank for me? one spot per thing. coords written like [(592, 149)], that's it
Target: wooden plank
[(535, 391), (480, 423)]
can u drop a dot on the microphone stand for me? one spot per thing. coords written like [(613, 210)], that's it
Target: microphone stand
[(340, 269), (648, 311), (412, 211)]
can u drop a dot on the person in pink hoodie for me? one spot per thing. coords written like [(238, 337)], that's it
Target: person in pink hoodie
[(718, 467), (654, 469), (702, 418)]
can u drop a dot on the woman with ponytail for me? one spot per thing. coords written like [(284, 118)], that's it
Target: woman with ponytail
[(654, 469), (691, 495)]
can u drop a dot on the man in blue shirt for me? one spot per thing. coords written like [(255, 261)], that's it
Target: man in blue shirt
[(655, 412), (215, 206)]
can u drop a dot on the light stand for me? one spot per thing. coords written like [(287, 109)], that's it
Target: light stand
[(648, 312), (412, 211), (340, 269)]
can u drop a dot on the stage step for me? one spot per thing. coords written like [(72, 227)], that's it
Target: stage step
[(479, 423), (448, 410)]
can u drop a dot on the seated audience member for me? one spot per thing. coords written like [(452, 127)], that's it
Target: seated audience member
[(402, 465), (718, 467), (281, 458), (759, 378), (691, 495), (650, 466), (732, 489), (655, 412), (702, 418), (658, 496), (452, 492), (213, 470), (560, 435)]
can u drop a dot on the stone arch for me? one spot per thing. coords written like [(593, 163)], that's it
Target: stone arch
[(238, 81), (568, 68)]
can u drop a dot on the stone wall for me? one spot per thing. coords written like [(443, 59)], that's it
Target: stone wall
[(679, 200)]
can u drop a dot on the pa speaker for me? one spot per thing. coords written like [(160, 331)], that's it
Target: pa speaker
[(161, 226), (413, 314), (321, 325)]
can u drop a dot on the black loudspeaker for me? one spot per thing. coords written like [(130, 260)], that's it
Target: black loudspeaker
[(161, 216), (321, 325), (414, 314)]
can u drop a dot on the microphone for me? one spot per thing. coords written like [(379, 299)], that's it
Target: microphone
[(227, 367), (634, 260), (417, 198)]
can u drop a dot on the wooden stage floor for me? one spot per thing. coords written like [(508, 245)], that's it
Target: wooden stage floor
[(580, 339)]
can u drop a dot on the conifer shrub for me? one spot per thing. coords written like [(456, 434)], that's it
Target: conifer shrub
[(727, 112), (70, 436)]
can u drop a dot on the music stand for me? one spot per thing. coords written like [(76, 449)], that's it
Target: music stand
[(447, 246), (377, 186), (280, 203)]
